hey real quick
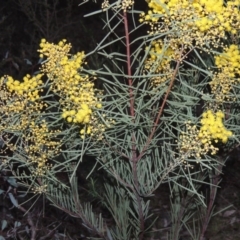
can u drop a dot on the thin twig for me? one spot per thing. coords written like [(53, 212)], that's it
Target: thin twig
[(164, 102)]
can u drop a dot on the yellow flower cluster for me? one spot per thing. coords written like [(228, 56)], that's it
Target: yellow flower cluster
[(105, 5), (40, 189), (191, 145), (81, 116), (228, 64), (223, 18), (213, 127), (42, 148), (79, 98), (221, 85), (59, 68), (19, 115), (159, 62), (126, 4), (30, 87), (197, 142), (193, 21), (15, 107), (230, 59), (123, 4)]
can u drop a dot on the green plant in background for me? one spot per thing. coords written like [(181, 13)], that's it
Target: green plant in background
[(168, 104)]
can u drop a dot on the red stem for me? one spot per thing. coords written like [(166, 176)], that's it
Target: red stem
[(134, 158), (129, 70)]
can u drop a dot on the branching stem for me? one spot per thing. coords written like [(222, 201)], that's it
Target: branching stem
[(156, 122)]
